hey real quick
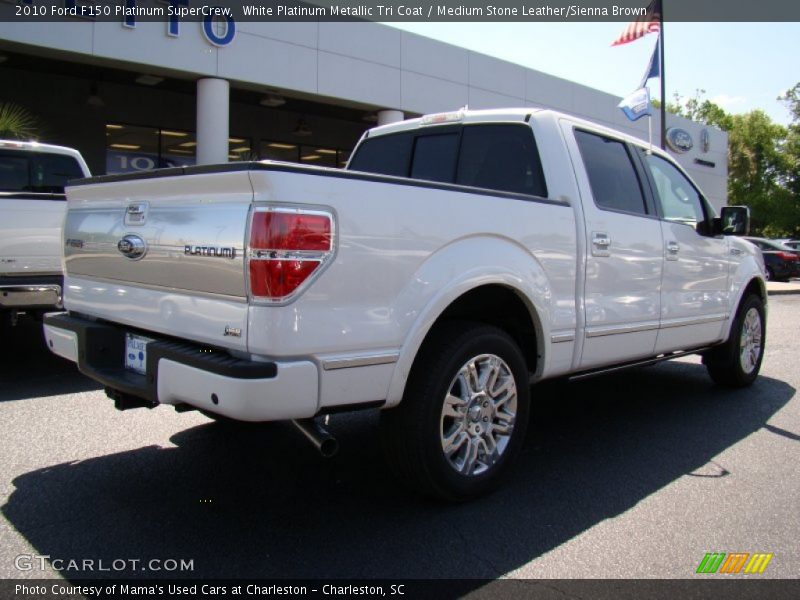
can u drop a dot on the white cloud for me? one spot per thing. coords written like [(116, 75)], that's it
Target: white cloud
[(726, 101)]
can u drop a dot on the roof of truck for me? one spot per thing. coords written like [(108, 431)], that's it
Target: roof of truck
[(504, 115), (37, 147)]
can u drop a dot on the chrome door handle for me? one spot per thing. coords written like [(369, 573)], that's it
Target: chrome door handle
[(600, 243), (672, 250)]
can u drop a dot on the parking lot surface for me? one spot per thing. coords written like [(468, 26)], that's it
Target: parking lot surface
[(634, 475)]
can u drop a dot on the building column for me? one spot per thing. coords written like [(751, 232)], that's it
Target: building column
[(212, 121), (389, 116)]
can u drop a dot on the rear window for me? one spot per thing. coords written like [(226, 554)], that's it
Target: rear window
[(36, 172), (612, 176), (384, 155), (435, 157), (501, 157)]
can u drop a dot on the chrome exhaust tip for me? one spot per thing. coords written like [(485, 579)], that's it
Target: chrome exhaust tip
[(321, 438)]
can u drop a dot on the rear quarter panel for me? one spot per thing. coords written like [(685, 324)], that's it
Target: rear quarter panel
[(404, 253)]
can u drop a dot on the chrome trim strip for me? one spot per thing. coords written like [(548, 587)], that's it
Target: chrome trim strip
[(684, 321), (156, 288), (558, 338), (681, 322), (360, 361), (619, 329)]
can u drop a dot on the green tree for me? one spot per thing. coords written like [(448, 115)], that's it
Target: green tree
[(792, 146), (762, 160), (17, 123)]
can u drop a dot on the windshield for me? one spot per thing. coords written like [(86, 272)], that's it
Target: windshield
[(22, 171)]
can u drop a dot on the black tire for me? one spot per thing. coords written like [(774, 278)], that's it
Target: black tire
[(725, 362), (415, 433), (769, 275)]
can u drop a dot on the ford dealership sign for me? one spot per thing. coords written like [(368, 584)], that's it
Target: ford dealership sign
[(679, 140)]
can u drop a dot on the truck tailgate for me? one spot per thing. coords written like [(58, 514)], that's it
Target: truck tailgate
[(30, 233), (162, 253)]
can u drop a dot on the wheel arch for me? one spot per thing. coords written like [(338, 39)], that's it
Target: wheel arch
[(499, 303), (756, 286)]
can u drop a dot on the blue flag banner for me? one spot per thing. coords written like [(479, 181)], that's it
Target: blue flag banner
[(636, 104), (654, 67)]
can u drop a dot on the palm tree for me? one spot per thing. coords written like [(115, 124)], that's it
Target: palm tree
[(16, 122)]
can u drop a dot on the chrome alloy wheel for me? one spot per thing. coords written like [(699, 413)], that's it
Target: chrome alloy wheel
[(478, 414), (750, 341)]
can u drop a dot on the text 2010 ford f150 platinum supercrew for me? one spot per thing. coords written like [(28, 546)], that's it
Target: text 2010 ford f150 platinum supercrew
[(32, 209), (459, 258)]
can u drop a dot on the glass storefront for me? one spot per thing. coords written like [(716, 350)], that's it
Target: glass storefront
[(132, 148), (301, 153)]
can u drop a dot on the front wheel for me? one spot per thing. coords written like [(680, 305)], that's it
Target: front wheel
[(736, 363), (464, 413)]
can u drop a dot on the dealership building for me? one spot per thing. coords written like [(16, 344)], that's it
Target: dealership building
[(136, 95)]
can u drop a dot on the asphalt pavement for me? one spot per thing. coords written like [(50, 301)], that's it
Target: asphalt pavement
[(634, 475)]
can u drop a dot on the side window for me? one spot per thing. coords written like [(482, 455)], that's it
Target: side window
[(501, 157), (14, 173), (51, 172), (612, 176), (678, 198), (23, 171), (384, 155), (435, 157)]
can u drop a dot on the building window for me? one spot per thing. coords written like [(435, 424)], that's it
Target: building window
[(131, 148), (307, 155), (178, 148), (280, 151)]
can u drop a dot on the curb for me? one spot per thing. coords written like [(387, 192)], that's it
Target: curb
[(782, 292)]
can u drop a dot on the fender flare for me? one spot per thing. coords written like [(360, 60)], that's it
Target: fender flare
[(747, 272), (521, 273)]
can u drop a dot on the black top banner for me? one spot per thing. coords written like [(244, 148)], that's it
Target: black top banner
[(394, 10)]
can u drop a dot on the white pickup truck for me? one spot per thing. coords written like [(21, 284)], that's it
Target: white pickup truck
[(458, 259), (32, 209)]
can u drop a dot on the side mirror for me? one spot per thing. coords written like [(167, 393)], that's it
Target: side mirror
[(734, 220)]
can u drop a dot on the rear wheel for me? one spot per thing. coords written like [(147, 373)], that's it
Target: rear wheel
[(463, 416), (736, 363)]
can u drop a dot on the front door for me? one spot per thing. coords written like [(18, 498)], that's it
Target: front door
[(695, 294)]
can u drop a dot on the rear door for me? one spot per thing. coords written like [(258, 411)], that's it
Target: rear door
[(624, 254)]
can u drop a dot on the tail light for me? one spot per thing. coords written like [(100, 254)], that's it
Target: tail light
[(788, 256), (288, 247)]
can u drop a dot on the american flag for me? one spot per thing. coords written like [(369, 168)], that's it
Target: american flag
[(649, 22)]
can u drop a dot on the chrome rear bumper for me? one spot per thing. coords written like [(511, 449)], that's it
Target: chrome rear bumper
[(30, 296)]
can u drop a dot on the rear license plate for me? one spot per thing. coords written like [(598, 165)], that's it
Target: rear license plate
[(136, 353)]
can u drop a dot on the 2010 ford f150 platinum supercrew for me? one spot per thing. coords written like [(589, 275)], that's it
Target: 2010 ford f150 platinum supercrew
[(459, 258)]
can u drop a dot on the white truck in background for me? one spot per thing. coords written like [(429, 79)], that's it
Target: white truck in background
[(32, 209), (458, 259)]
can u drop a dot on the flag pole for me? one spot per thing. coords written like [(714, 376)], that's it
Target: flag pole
[(650, 132), (663, 84)]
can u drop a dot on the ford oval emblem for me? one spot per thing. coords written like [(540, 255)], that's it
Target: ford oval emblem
[(679, 140), (132, 246)]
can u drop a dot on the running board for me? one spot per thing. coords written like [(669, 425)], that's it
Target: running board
[(638, 363)]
